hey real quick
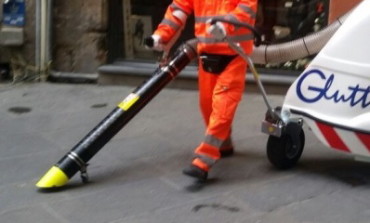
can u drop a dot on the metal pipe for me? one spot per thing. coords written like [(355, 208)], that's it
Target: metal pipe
[(43, 43), (49, 31), (37, 34)]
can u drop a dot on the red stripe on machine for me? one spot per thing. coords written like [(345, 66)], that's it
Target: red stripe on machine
[(365, 139), (332, 137)]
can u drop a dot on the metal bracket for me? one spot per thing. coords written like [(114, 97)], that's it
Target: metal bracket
[(83, 166), (83, 174)]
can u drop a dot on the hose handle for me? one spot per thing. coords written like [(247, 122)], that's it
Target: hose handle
[(256, 34)]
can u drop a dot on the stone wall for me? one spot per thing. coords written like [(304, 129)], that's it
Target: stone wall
[(80, 30), (79, 34), (28, 49)]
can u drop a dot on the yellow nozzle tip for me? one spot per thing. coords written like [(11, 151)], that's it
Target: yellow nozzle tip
[(55, 177)]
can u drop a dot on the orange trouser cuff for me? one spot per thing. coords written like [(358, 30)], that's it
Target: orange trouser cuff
[(199, 163)]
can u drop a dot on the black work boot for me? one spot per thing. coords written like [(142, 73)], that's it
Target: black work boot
[(227, 152), (195, 172)]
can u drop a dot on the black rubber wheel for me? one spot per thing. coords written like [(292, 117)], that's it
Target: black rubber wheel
[(284, 152)]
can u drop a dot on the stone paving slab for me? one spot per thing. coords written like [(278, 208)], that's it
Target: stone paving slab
[(137, 176)]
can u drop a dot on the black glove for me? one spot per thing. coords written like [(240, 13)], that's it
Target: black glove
[(149, 42)]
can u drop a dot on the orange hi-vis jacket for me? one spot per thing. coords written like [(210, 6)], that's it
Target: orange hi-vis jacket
[(243, 11)]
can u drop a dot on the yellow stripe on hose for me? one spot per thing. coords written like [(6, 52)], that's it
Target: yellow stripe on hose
[(128, 101)]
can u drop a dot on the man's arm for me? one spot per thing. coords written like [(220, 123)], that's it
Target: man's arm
[(172, 24)]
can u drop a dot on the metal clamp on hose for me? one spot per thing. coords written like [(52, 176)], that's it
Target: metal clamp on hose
[(83, 166)]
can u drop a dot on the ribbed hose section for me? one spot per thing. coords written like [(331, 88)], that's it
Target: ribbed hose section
[(298, 48)]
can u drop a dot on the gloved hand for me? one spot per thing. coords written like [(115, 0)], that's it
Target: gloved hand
[(153, 42), (217, 30)]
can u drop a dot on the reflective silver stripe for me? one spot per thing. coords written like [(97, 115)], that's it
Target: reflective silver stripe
[(207, 160), (204, 19), (248, 10), (174, 25), (176, 7), (213, 141), (232, 18), (218, 143), (238, 38), (208, 40)]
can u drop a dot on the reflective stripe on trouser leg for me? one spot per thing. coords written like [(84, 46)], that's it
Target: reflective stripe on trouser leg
[(218, 143), (203, 161), (226, 91)]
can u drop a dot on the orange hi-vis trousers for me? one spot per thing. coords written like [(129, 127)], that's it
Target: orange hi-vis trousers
[(219, 96)]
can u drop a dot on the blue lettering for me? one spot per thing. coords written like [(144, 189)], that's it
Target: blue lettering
[(323, 91)]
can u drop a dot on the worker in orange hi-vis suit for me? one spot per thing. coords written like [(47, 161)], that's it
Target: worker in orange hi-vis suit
[(221, 71)]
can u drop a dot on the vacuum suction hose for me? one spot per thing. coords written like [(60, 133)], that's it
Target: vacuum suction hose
[(77, 158), (298, 48)]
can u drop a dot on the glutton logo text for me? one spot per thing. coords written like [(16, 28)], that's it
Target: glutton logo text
[(323, 89)]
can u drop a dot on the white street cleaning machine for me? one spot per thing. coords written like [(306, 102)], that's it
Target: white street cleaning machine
[(332, 96)]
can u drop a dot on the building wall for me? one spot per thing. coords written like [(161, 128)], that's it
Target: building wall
[(80, 30), (28, 49), (79, 33)]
